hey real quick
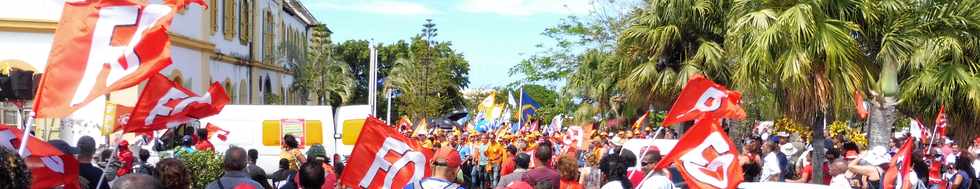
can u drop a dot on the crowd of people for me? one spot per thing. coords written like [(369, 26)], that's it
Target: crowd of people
[(521, 161)]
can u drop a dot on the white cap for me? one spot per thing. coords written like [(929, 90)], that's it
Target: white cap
[(877, 156)]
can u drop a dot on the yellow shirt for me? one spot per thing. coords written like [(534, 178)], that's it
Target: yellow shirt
[(495, 152), (427, 144)]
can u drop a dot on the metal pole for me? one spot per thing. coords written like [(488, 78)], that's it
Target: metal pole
[(373, 79), (25, 136), (389, 106)]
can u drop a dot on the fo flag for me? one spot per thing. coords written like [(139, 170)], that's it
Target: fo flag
[(705, 157), (101, 46), (383, 158), (49, 167), (897, 176), (165, 103), (702, 98)]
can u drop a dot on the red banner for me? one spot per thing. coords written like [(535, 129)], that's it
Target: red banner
[(49, 166), (165, 103), (103, 46), (702, 98), (706, 157), (383, 158)]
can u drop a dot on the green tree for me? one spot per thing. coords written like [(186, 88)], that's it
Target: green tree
[(797, 51), (322, 79)]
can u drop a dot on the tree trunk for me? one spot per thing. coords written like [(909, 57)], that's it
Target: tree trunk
[(819, 150), (881, 120)]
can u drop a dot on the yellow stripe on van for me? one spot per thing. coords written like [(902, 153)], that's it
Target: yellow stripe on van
[(352, 129)]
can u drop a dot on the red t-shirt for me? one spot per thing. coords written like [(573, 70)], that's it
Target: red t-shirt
[(508, 167), (570, 184), (809, 169), (204, 145)]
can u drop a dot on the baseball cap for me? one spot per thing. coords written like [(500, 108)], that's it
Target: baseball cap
[(449, 156), (63, 146)]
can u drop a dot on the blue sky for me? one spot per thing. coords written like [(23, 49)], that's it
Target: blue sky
[(493, 35)]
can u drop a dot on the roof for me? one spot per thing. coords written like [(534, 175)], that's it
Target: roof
[(297, 8)]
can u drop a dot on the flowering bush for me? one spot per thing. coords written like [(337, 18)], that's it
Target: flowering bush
[(205, 167)]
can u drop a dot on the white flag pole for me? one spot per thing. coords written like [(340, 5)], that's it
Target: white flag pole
[(27, 132)]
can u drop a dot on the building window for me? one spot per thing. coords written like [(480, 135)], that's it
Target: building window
[(214, 15), (243, 92), (228, 19), (245, 21), (230, 88), (267, 37)]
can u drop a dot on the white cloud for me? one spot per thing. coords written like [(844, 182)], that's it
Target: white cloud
[(387, 7), (526, 7)]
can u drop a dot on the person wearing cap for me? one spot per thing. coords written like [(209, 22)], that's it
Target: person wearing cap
[(872, 165), (126, 157), (444, 168), (654, 178)]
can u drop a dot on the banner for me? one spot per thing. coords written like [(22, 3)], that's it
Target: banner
[(103, 46), (49, 166), (705, 157), (166, 104), (383, 158), (703, 98)]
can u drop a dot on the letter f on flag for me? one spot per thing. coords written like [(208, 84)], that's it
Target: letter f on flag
[(103, 46)]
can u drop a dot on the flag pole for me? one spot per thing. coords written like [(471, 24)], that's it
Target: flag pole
[(520, 108), (27, 131), (931, 139)]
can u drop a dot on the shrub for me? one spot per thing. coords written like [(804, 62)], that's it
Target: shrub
[(205, 167)]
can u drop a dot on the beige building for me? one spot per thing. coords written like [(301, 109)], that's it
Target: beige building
[(247, 45)]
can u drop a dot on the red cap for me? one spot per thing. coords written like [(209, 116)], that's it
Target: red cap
[(449, 156)]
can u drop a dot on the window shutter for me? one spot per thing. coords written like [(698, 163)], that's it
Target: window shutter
[(214, 16), (244, 21), (228, 21)]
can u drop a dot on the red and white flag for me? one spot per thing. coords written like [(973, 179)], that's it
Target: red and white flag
[(705, 157), (941, 123), (897, 175), (101, 46), (164, 104), (383, 158), (918, 131), (215, 130), (703, 98), (49, 166)]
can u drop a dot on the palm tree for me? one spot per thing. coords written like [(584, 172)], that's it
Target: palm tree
[(322, 77), (670, 41), (420, 95), (799, 53)]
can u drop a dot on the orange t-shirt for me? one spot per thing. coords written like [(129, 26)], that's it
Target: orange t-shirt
[(570, 184)]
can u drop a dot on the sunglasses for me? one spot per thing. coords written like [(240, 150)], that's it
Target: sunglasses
[(645, 163)]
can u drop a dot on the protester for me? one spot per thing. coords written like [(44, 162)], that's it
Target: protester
[(521, 163), (655, 178), (254, 171), (771, 169), (508, 165), (202, 141), (871, 165), (86, 152), (186, 145), (136, 181), (311, 175), (125, 156), (338, 165), (13, 170), (144, 167), (542, 175), (291, 152), (613, 167), (964, 177), (173, 174), (837, 171), (568, 170), (283, 174), (806, 174), (444, 168), (318, 153), (234, 165)]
